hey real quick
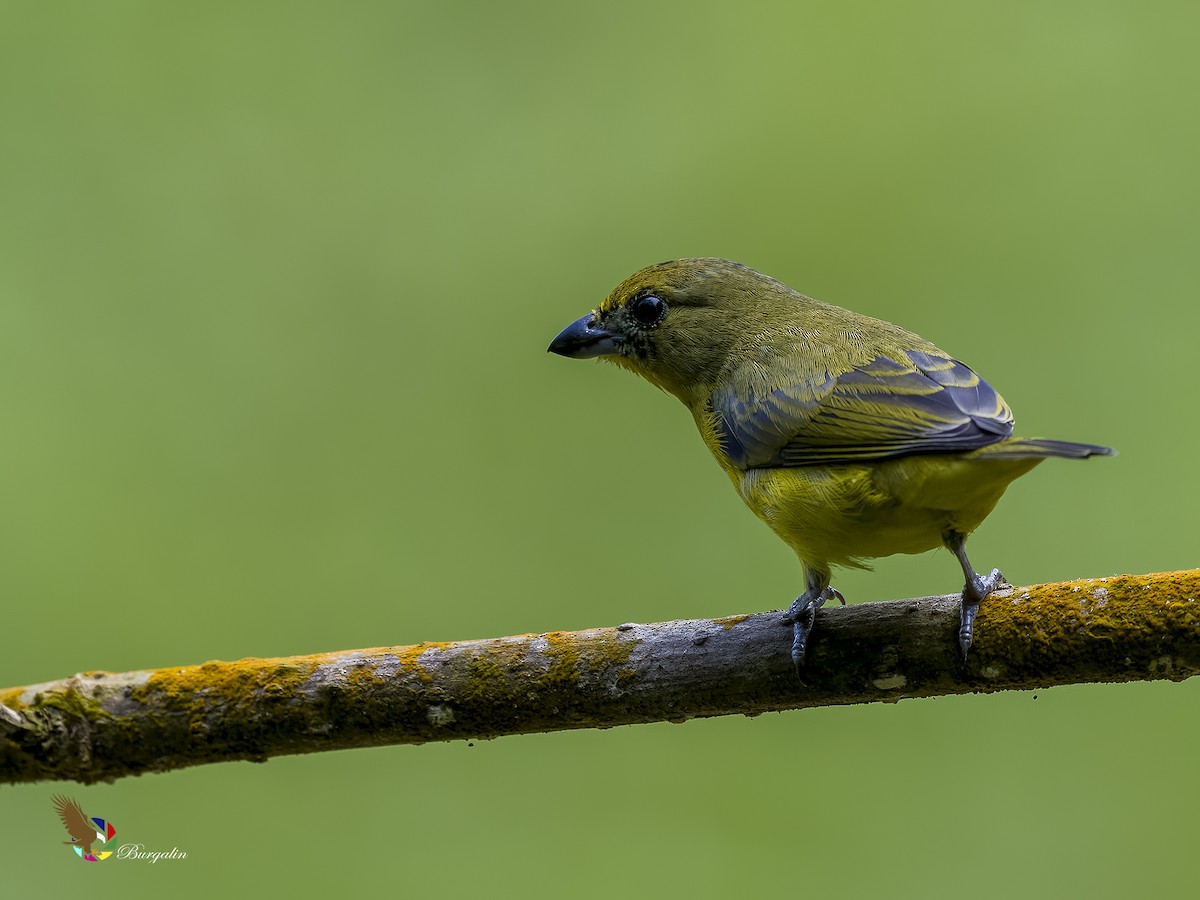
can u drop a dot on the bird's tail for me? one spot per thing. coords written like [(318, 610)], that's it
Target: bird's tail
[(1039, 448)]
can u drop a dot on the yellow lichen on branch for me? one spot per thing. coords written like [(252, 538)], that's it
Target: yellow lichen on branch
[(1094, 620)]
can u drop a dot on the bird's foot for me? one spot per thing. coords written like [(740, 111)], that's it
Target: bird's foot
[(803, 614), (973, 593)]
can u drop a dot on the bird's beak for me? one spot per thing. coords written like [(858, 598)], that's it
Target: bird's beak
[(583, 339)]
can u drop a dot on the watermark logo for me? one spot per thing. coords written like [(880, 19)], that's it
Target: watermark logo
[(91, 836), (86, 832)]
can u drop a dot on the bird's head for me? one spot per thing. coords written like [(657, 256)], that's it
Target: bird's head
[(677, 323)]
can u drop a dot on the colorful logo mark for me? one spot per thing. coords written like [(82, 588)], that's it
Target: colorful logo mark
[(85, 832)]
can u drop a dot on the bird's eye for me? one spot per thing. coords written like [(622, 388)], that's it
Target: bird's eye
[(649, 310)]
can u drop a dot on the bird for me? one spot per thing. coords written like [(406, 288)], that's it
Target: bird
[(850, 437), (81, 829)]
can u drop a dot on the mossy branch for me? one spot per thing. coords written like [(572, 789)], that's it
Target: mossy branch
[(97, 726)]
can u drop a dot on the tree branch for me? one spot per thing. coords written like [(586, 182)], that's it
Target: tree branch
[(98, 726)]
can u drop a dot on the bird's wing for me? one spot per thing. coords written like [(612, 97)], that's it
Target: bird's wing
[(73, 818), (911, 402)]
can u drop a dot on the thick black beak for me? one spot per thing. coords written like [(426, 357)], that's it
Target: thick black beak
[(582, 339)]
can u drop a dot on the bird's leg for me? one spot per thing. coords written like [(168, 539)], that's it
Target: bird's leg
[(802, 614), (976, 588)]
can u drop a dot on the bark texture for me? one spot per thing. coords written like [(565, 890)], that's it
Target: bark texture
[(100, 726)]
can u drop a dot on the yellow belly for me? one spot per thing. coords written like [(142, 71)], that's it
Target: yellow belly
[(841, 515)]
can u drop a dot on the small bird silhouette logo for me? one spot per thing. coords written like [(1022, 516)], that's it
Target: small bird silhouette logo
[(84, 831)]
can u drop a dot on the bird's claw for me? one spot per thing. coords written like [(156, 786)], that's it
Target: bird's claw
[(973, 593), (966, 628), (802, 615), (801, 629)]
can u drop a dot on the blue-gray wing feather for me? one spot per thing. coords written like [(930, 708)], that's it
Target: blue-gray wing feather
[(888, 407)]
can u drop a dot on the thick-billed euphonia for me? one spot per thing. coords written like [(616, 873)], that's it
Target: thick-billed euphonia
[(849, 436)]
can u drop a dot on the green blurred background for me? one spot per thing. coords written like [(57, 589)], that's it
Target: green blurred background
[(276, 284)]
